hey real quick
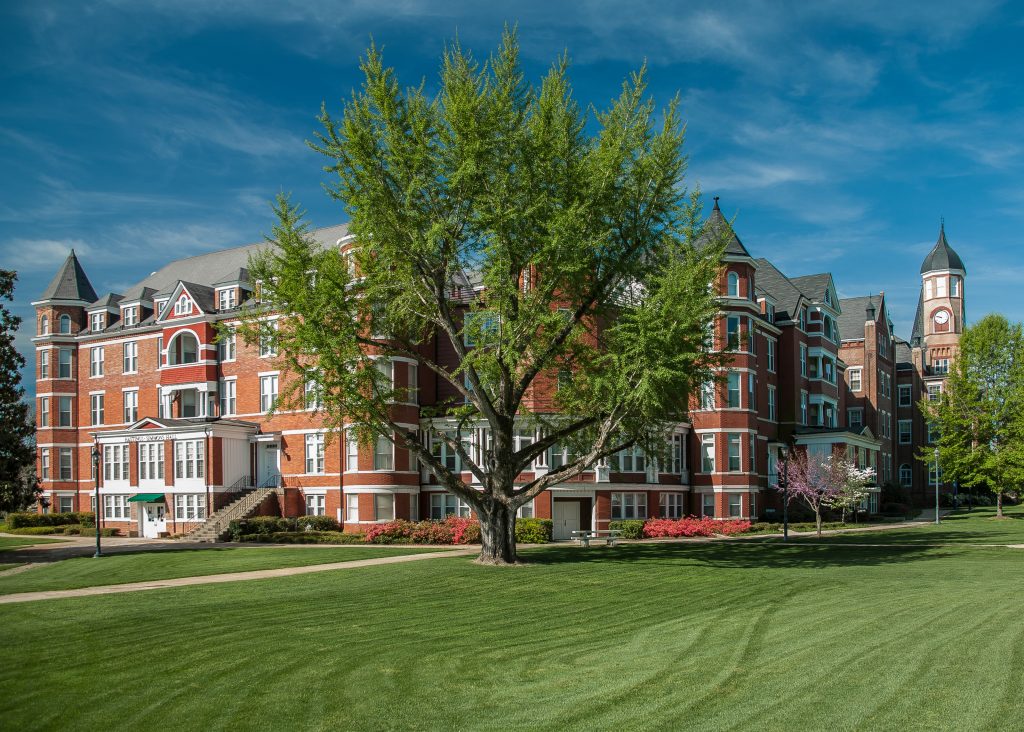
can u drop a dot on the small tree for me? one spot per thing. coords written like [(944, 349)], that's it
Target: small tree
[(824, 482), (979, 416), (17, 429), (487, 220)]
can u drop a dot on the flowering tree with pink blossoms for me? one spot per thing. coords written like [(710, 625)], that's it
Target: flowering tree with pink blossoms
[(825, 482)]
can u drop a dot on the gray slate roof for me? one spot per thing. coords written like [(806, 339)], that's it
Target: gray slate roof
[(813, 286), (780, 288), (716, 226), (107, 300), (70, 283), (904, 356), (853, 313), (942, 255), (918, 332)]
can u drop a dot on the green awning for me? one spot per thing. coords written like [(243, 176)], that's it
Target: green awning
[(147, 498)]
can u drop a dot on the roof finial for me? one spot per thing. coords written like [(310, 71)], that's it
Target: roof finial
[(942, 224), (716, 204)]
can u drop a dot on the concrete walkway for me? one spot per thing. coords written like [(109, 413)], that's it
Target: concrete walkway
[(227, 577)]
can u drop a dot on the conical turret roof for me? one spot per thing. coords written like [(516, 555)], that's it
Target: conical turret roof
[(942, 256), (70, 283)]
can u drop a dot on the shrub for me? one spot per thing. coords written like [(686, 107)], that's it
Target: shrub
[(630, 528), (452, 530), (693, 526), (33, 530), (304, 537), (317, 523), (894, 509), (23, 520), (533, 530), (260, 525)]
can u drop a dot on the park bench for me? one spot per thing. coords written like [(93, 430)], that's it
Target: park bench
[(584, 536)]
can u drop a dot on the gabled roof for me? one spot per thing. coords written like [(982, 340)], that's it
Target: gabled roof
[(237, 274), (780, 288), (717, 226), (201, 296), (813, 286), (70, 283), (854, 314), (140, 293), (942, 255), (107, 301)]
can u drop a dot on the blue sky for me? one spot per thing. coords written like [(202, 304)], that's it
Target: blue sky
[(836, 132)]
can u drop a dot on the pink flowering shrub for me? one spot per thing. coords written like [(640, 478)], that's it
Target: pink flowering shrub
[(693, 526), (452, 530)]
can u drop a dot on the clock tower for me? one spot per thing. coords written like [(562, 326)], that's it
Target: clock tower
[(940, 312)]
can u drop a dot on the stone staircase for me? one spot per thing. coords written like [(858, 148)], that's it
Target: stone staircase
[(242, 507)]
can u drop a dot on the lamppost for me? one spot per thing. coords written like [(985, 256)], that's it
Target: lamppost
[(784, 484), (99, 508), (937, 485)]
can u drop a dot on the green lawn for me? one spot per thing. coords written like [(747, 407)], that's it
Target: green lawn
[(117, 568), (738, 635), (4, 567), (975, 527), (10, 542)]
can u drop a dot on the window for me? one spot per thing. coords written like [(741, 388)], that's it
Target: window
[(227, 397), (64, 363), (96, 361), (189, 507), (933, 434), (226, 298), (130, 410), (151, 461), (672, 505), (44, 412), (44, 364), (940, 287), (940, 366), (904, 431), (934, 392), (96, 322), (773, 413), (414, 384), (803, 318), (315, 505), (526, 510), (855, 419), (226, 347), (803, 407), (735, 459), (803, 360), (751, 392), (130, 316), (267, 346), (853, 376), (189, 459), (96, 408), (707, 453), (44, 325), (954, 287), (707, 395), (631, 460), (707, 506), (735, 505), (384, 454), (906, 475), (447, 504), (64, 411), (733, 285), (160, 352), (351, 451), (268, 392), (732, 332), (734, 389), (183, 348), (629, 506), (769, 311), (183, 306), (130, 362), (44, 463), (814, 367), (751, 338), (558, 456), (674, 458), (312, 395), (351, 507), (315, 453), (383, 507), (116, 507), (65, 324), (905, 395), (752, 452), (64, 465), (115, 462), (927, 289), (772, 345)]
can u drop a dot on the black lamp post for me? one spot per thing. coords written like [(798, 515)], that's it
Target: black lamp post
[(784, 484), (99, 508)]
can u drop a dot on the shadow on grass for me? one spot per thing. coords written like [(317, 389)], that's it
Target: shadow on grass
[(767, 554)]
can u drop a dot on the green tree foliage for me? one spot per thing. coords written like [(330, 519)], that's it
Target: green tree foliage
[(488, 215), (980, 414), (18, 486)]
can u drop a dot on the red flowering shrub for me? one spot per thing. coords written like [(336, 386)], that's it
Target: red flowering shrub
[(693, 526), (391, 532), (452, 530)]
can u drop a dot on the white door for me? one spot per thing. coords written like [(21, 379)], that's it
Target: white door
[(565, 515), (154, 520), (269, 467)]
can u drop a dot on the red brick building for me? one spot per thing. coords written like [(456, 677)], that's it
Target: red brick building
[(178, 421)]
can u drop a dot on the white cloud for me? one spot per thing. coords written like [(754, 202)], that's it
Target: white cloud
[(40, 255)]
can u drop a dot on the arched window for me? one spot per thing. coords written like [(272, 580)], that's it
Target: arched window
[(734, 284), (906, 475), (184, 348), (65, 323), (44, 325)]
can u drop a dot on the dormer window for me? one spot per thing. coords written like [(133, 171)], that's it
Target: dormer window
[(130, 316), (65, 323), (803, 318), (44, 325), (828, 298), (183, 306), (733, 282), (96, 322), (226, 299)]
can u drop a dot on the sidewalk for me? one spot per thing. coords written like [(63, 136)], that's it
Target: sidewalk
[(228, 577)]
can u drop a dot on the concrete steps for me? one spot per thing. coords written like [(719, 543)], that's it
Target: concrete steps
[(216, 526)]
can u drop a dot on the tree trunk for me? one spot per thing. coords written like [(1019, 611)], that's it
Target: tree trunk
[(999, 504), (498, 535), (817, 519)]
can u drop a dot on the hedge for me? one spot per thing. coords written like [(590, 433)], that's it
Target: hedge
[(25, 519), (533, 530), (304, 537), (630, 528), (67, 530), (693, 526)]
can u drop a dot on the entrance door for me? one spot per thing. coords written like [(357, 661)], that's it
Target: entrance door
[(269, 464), (154, 520), (565, 517)]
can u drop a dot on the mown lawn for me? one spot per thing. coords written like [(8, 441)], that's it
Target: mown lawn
[(10, 542), (979, 526), (115, 569), (738, 635)]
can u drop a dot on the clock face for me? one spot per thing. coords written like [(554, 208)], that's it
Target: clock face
[(941, 317)]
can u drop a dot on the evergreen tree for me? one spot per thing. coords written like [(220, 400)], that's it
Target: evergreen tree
[(980, 414), (18, 485), (573, 258)]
